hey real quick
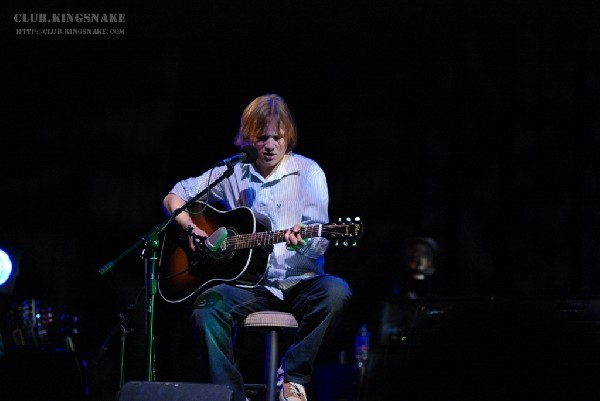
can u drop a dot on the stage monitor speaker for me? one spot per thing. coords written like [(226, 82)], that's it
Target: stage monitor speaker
[(173, 391)]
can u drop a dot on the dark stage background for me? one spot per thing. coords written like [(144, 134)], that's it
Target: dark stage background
[(473, 123)]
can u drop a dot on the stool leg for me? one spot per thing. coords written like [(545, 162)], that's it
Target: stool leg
[(271, 369)]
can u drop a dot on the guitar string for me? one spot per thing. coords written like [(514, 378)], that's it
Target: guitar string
[(267, 238)]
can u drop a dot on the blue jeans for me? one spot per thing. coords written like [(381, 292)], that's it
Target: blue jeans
[(317, 303)]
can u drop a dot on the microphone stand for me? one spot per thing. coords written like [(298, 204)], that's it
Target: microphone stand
[(120, 328), (151, 244)]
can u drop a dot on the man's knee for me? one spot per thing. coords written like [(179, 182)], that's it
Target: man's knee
[(338, 291)]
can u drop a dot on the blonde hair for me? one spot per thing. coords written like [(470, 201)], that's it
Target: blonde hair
[(262, 111)]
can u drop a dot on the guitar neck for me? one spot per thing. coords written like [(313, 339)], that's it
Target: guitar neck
[(244, 241)]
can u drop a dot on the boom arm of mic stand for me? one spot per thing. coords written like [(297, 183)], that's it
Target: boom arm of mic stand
[(119, 328), (152, 235), (151, 244)]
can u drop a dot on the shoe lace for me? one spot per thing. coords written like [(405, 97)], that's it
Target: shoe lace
[(280, 377), (297, 389)]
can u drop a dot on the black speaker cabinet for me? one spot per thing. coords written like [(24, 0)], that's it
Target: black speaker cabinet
[(173, 391)]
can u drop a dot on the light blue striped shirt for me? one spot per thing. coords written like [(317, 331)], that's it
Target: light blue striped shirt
[(296, 192)]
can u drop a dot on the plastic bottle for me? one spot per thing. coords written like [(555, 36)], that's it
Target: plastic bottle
[(362, 345)]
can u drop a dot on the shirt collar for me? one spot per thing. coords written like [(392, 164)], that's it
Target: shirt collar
[(285, 167)]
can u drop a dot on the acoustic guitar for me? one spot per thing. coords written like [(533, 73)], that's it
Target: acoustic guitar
[(241, 256)]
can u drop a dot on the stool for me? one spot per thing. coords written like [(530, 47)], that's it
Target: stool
[(272, 323)]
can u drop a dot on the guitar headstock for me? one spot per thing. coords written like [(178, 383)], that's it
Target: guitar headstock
[(345, 233)]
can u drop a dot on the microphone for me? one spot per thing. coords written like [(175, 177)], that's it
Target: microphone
[(248, 154), (216, 239)]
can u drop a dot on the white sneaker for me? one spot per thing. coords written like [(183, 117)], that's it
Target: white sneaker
[(292, 392)]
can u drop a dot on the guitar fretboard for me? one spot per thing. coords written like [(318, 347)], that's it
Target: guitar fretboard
[(244, 241)]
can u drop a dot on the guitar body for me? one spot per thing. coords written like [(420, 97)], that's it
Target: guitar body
[(183, 272)]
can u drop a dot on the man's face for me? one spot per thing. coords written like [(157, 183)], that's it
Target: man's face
[(271, 146)]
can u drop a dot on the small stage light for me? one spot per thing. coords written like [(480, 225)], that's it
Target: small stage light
[(9, 270)]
